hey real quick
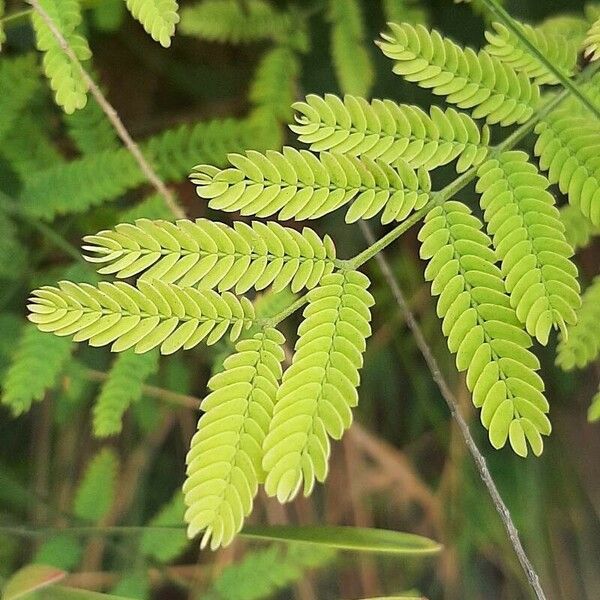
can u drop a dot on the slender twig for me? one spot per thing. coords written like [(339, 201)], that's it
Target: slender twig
[(438, 377), (111, 115)]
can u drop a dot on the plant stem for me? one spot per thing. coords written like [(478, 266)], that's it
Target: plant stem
[(478, 458), (572, 88)]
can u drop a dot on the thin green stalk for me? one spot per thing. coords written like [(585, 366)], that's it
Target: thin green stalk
[(284, 314), (509, 22)]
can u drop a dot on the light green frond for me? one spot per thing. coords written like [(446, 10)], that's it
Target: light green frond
[(97, 489), (274, 86), (123, 387), (568, 147), (164, 546), (483, 329), (36, 365), (153, 314), (20, 76), (580, 344), (591, 44), (404, 11), (158, 17), (529, 239), (384, 130), (593, 414), (209, 254), (102, 176), (579, 230), (557, 48), (298, 185), (351, 60), (264, 572), (224, 461), (236, 23), (91, 131), (318, 390), (475, 81), (70, 89)]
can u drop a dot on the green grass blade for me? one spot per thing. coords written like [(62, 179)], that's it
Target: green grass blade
[(357, 539)]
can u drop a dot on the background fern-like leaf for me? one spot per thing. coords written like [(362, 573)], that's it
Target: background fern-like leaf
[(580, 344), (318, 390), (90, 130), (351, 58), (230, 21), (483, 329), (27, 147), (405, 11), (164, 546), (224, 461), (579, 230), (36, 365), (262, 573), (528, 236), (20, 76), (122, 388), (13, 253), (98, 486), (103, 176), (273, 89)]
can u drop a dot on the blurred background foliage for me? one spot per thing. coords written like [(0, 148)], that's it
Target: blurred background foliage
[(90, 439)]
